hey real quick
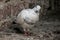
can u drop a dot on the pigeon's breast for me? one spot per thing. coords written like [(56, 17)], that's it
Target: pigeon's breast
[(29, 16)]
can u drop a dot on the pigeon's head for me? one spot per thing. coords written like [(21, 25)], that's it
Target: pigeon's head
[(37, 8)]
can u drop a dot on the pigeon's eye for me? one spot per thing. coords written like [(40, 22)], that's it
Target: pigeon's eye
[(31, 23), (36, 11)]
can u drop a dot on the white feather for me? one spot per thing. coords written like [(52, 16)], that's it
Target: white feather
[(27, 16)]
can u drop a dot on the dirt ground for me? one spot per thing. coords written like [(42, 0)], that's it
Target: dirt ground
[(43, 30)]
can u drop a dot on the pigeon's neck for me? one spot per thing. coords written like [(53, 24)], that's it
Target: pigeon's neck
[(35, 9)]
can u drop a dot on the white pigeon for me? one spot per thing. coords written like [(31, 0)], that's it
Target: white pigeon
[(28, 17)]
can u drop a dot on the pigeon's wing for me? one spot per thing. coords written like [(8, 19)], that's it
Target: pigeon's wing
[(22, 16)]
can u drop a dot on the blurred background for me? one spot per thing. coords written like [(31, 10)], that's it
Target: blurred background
[(48, 26)]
